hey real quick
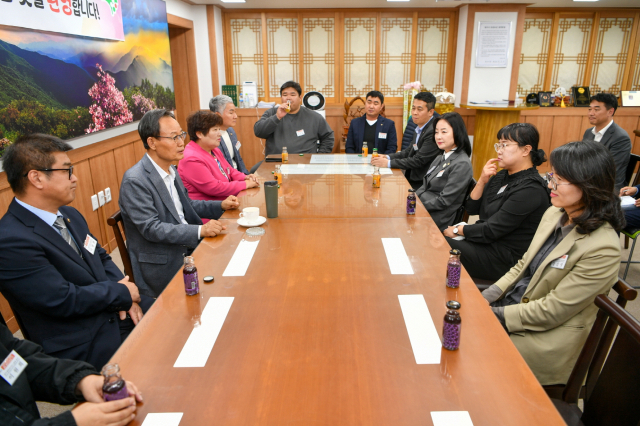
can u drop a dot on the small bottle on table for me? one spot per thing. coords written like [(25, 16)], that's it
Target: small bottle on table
[(285, 155)]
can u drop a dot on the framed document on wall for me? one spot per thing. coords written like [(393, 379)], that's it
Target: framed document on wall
[(630, 97), (492, 48)]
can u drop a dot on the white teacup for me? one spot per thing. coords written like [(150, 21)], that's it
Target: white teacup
[(250, 214)]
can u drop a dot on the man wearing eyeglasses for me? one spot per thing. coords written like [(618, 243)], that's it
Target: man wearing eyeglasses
[(161, 222), (67, 294)]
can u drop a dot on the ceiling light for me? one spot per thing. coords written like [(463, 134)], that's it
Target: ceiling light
[(586, 0), (397, 0), (233, 1)]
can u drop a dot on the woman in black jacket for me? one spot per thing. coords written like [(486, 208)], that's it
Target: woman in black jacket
[(510, 203)]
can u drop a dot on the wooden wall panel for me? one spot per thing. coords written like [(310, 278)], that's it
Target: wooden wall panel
[(138, 150), (125, 158), (545, 128), (82, 202), (104, 175), (6, 195)]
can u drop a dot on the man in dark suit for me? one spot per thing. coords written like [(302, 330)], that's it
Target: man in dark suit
[(161, 222), (61, 381), (229, 145), (416, 159), (601, 110), (409, 133), (377, 131), (63, 287)]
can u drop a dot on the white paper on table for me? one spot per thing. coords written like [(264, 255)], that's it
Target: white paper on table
[(423, 335), (196, 350), (451, 418), (241, 259), (399, 262), (627, 201), (331, 169), (162, 419), (338, 158)]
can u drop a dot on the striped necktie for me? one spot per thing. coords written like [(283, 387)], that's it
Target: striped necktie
[(60, 226)]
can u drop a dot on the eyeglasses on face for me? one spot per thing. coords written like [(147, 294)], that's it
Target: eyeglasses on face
[(502, 145), (69, 170), (175, 138), (554, 183)]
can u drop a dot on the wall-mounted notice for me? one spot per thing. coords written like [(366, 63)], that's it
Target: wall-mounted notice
[(492, 46), (89, 18)]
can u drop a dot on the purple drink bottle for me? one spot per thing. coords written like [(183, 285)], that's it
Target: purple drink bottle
[(114, 386), (190, 273), (411, 202), (453, 269), (451, 330)]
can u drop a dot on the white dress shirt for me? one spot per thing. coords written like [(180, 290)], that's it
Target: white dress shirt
[(598, 135), (227, 141), (169, 180), (448, 154)]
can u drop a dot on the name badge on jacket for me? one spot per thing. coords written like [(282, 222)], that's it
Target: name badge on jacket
[(560, 262), (90, 244), (12, 366), (382, 135), (441, 173), (415, 146), (238, 145), (502, 189), (300, 132)]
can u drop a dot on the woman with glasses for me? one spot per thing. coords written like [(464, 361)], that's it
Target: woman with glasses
[(445, 184), (545, 302), (205, 172), (510, 203)]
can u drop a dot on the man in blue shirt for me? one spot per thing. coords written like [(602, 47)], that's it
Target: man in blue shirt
[(377, 131), (67, 294), (416, 159)]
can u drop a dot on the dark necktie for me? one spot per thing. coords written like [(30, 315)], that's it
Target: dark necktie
[(60, 226)]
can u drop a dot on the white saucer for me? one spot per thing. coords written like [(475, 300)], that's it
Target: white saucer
[(243, 222)]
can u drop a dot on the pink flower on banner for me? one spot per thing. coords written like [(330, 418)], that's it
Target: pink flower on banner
[(141, 105), (109, 108)]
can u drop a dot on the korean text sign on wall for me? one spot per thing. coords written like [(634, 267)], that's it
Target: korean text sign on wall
[(90, 18)]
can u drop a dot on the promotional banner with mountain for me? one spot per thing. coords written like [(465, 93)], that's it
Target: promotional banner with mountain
[(68, 86)]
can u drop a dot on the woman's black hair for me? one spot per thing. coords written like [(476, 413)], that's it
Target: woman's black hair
[(460, 136), (590, 167), (524, 134)]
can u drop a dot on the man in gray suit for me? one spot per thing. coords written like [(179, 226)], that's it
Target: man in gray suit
[(223, 105), (161, 222), (601, 110), (417, 157)]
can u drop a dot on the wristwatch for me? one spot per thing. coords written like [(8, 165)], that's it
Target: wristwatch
[(455, 230)]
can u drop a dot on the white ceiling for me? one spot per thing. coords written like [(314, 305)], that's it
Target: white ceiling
[(365, 4)]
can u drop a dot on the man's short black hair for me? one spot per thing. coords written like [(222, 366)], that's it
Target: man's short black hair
[(609, 100), (293, 84), (375, 94), (149, 125), (427, 97), (31, 152)]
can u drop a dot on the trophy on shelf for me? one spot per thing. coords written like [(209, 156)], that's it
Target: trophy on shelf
[(581, 97), (560, 92), (544, 99), (445, 102)]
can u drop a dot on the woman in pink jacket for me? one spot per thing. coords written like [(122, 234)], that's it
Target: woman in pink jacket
[(204, 170)]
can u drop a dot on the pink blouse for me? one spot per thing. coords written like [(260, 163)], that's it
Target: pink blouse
[(201, 174)]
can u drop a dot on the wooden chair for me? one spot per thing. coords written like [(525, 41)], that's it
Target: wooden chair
[(462, 215), (629, 232), (349, 115), (613, 398), (593, 365), (114, 221)]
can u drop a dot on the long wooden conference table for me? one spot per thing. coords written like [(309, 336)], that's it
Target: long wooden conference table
[(315, 332)]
